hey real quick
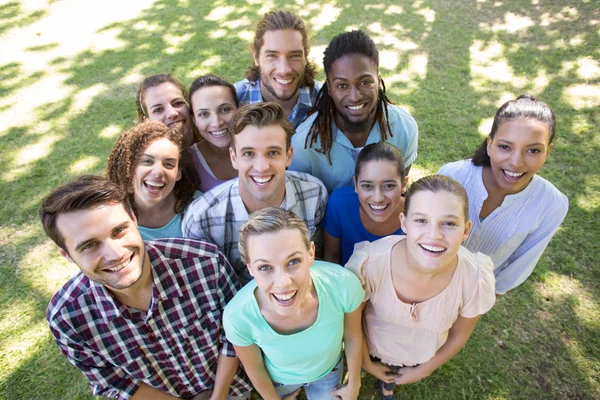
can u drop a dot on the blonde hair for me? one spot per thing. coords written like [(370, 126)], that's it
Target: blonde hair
[(269, 220)]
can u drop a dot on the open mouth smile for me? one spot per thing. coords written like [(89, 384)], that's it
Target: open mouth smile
[(432, 248), (378, 208), (218, 133), (262, 181), (120, 266), (357, 107), (285, 299), (512, 176), (283, 81), (154, 187)]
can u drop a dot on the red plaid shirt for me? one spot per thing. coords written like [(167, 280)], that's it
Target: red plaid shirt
[(174, 346)]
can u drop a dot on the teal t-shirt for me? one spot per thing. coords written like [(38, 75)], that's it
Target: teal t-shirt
[(307, 355), (171, 230)]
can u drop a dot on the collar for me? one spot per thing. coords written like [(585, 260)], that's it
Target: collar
[(164, 286)]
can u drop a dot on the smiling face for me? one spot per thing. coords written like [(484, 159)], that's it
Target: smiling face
[(280, 264), (260, 157), (435, 227), (156, 173), (518, 150), (212, 108), (379, 188), (282, 62), (106, 245), (165, 103), (353, 83)]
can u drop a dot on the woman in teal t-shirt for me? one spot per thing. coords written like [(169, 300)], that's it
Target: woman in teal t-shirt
[(151, 164), (289, 323)]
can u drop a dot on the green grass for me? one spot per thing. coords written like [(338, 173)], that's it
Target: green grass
[(67, 90)]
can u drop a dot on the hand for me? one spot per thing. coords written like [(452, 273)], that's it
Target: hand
[(381, 371), (292, 396), (345, 392), (410, 375)]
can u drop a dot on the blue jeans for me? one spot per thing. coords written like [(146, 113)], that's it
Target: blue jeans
[(316, 390)]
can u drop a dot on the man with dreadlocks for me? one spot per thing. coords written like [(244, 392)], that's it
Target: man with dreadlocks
[(280, 70), (352, 110)]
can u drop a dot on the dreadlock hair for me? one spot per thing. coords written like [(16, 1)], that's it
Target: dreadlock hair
[(129, 148), (278, 21), (347, 43)]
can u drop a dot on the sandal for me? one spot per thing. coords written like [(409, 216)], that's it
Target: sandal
[(381, 385)]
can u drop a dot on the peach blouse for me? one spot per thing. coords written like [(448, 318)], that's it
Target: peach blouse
[(409, 334)]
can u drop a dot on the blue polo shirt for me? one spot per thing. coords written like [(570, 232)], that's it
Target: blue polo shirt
[(343, 154)]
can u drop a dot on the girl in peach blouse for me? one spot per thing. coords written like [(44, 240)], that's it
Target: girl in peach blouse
[(424, 291)]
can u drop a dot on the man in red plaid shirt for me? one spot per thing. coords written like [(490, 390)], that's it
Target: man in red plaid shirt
[(141, 320)]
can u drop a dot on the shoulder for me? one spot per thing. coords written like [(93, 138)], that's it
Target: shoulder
[(343, 195), (302, 131), (400, 115), (331, 275), (217, 196), (182, 249), (478, 282), (315, 89), (68, 298), (458, 169), (303, 181), (237, 308), (243, 85), (550, 196)]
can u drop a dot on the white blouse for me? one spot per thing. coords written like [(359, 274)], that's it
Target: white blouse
[(515, 234)]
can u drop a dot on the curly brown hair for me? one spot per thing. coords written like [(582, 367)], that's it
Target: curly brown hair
[(278, 21), (128, 150)]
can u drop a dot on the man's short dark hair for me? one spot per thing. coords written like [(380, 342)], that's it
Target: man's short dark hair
[(85, 193), (260, 115)]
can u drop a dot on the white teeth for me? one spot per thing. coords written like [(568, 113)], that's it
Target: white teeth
[(115, 269), (513, 174), (377, 208), (354, 108), (219, 133), (284, 297), (283, 81), (261, 180), (436, 249), (154, 184)]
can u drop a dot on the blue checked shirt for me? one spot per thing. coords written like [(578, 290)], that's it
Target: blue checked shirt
[(218, 214), (173, 347), (249, 93)]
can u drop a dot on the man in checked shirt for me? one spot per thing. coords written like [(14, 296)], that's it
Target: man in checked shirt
[(141, 320)]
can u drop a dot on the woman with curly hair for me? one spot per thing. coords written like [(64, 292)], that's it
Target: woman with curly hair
[(150, 162)]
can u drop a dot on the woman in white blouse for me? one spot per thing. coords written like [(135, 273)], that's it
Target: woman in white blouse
[(515, 212)]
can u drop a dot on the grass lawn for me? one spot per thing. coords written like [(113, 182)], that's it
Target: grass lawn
[(68, 74)]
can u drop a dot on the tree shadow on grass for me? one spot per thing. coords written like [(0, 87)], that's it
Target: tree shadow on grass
[(12, 16), (449, 103)]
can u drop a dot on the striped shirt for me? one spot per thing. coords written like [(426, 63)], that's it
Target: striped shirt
[(218, 215), (515, 234), (249, 93), (173, 347)]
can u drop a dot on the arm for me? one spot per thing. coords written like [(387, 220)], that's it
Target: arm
[(227, 365), (145, 392), (375, 368), (253, 362), (353, 344), (333, 248), (457, 337), (521, 263), (226, 370)]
